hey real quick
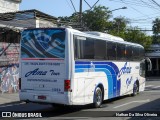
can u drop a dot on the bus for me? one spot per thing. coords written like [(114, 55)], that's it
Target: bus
[(70, 67)]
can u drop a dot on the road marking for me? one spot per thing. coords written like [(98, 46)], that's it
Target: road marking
[(140, 101), (156, 87), (152, 91), (149, 85), (9, 105)]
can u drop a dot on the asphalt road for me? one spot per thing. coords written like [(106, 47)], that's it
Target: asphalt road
[(147, 103)]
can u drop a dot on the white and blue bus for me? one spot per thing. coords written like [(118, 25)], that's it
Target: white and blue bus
[(66, 66)]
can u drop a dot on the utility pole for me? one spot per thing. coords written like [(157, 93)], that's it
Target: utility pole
[(80, 12)]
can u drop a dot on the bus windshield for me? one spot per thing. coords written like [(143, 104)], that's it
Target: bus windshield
[(43, 43)]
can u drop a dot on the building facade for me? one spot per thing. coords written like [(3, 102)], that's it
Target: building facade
[(12, 22), (153, 53), (9, 5), (27, 19)]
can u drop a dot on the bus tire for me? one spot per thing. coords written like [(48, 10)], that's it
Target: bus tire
[(98, 96), (135, 89)]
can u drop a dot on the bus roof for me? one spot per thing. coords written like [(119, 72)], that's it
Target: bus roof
[(104, 36)]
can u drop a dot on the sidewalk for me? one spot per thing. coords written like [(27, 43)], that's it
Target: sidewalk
[(9, 98)]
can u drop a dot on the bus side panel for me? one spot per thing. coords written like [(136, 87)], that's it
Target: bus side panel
[(78, 89), (85, 84), (136, 75), (94, 80), (117, 79), (129, 74)]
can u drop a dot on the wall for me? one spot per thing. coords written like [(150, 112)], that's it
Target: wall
[(44, 23), (30, 23), (8, 6), (9, 74)]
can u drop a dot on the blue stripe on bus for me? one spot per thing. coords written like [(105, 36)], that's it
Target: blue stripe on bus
[(79, 70), (112, 82), (111, 71)]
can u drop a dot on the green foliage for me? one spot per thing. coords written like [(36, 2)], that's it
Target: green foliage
[(118, 26), (156, 31), (136, 36), (96, 19)]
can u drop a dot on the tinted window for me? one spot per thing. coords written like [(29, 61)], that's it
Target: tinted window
[(120, 52), (135, 53), (100, 49), (83, 49), (111, 50), (88, 49), (141, 53), (76, 48), (128, 52)]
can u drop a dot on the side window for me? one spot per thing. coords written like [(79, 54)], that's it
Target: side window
[(141, 53), (100, 49), (88, 49), (76, 48), (83, 48), (120, 52), (135, 53), (128, 52), (111, 50)]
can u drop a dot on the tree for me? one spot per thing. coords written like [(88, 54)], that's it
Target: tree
[(156, 31), (68, 20), (119, 26), (96, 19), (136, 36)]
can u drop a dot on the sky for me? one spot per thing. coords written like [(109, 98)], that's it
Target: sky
[(141, 13)]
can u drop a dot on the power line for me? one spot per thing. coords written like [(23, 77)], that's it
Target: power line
[(87, 4), (94, 5), (69, 5), (136, 3), (144, 17), (135, 9), (156, 3), (148, 4), (73, 6)]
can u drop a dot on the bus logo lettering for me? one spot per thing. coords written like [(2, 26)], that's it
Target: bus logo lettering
[(128, 81), (36, 72), (54, 73), (124, 70)]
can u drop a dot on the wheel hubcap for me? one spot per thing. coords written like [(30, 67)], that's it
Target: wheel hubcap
[(99, 97), (135, 89)]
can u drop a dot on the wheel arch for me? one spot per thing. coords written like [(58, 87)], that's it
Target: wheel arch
[(137, 82)]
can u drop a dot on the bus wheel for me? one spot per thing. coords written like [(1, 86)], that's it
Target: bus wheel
[(97, 97), (135, 89)]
